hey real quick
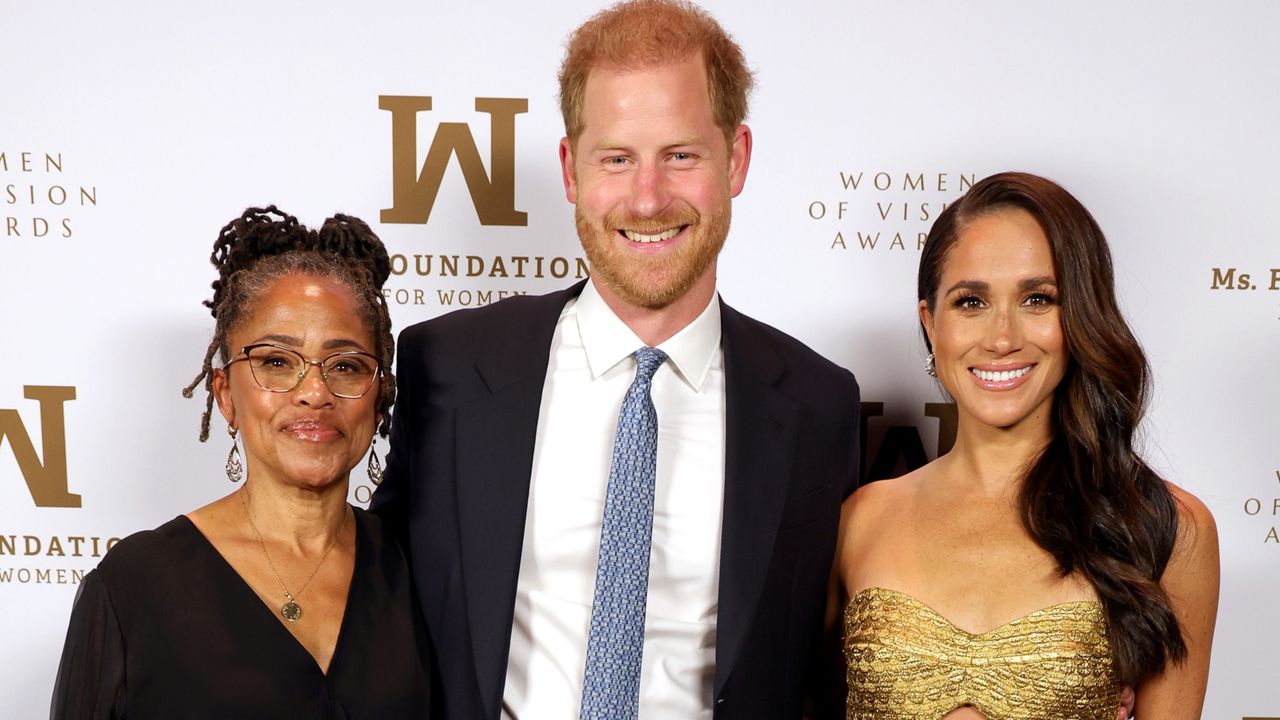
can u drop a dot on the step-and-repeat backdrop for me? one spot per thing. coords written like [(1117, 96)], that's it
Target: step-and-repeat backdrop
[(130, 132)]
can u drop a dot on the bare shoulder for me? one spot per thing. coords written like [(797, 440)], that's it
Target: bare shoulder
[(874, 499), (866, 512), (1191, 582), (1197, 543), (1193, 574)]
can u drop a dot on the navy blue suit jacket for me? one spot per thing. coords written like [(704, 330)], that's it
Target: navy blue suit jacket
[(457, 488)]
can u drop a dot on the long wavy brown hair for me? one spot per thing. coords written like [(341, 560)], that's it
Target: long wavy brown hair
[(1088, 498)]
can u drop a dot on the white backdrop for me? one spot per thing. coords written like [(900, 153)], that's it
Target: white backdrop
[(162, 122)]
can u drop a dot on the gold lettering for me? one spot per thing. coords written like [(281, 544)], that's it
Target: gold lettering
[(414, 193), (1223, 278), (46, 482)]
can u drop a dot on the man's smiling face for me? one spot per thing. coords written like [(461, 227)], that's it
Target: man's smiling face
[(651, 176)]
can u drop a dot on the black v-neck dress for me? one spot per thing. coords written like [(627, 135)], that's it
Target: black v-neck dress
[(165, 628)]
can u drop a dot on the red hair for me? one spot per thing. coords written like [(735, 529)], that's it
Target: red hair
[(652, 33)]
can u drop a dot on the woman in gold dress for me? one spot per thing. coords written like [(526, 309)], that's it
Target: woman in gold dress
[(1040, 569)]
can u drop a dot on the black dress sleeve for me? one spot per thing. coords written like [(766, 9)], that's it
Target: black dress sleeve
[(91, 675)]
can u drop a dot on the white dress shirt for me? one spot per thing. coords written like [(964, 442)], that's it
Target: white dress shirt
[(591, 367)]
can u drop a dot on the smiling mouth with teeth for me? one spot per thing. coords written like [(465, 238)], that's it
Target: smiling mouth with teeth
[(638, 237), (1000, 375)]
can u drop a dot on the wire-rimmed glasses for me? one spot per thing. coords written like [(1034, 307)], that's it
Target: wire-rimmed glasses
[(348, 374)]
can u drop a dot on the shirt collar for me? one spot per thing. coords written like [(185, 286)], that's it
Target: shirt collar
[(608, 341)]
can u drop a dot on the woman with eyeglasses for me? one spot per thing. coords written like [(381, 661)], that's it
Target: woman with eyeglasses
[(279, 599)]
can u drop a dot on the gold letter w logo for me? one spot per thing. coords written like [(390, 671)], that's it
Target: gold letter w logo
[(413, 193), (47, 483)]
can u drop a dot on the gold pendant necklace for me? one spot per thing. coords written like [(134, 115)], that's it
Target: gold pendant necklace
[(291, 610)]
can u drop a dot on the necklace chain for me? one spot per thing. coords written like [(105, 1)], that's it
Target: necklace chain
[(290, 610)]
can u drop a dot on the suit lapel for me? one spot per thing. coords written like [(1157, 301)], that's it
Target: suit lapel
[(496, 432), (760, 433)]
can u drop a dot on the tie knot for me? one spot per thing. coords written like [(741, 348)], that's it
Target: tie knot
[(648, 360)]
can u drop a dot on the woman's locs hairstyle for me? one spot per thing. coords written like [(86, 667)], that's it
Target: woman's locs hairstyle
[(265, 244), (1088, 499)]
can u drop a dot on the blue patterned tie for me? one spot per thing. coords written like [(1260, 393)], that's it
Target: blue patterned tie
[(611, 684)]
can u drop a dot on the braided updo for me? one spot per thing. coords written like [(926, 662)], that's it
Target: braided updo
[(265, 244)]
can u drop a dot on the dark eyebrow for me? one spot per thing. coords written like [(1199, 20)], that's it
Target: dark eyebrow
[(980, 286), (341, 343), (975, 285), (282, 339), (291, 341)]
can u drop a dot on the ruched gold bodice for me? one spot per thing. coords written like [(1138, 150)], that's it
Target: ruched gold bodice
[(906, 662)]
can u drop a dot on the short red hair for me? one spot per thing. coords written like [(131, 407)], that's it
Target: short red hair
[(652, 33)]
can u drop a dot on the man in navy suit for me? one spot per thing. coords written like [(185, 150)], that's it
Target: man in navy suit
[(502, 445)]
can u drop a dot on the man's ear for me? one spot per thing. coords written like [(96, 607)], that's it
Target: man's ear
[(567, 172), (739, 159)]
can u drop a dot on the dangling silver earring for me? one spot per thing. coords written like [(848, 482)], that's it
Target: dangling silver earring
[(235, 468), (930, 366), (375, 467)]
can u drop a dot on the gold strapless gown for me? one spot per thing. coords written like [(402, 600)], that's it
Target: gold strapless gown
[(906, 662)]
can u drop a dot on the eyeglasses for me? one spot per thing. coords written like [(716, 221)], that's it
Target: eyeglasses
[(278, 369)]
